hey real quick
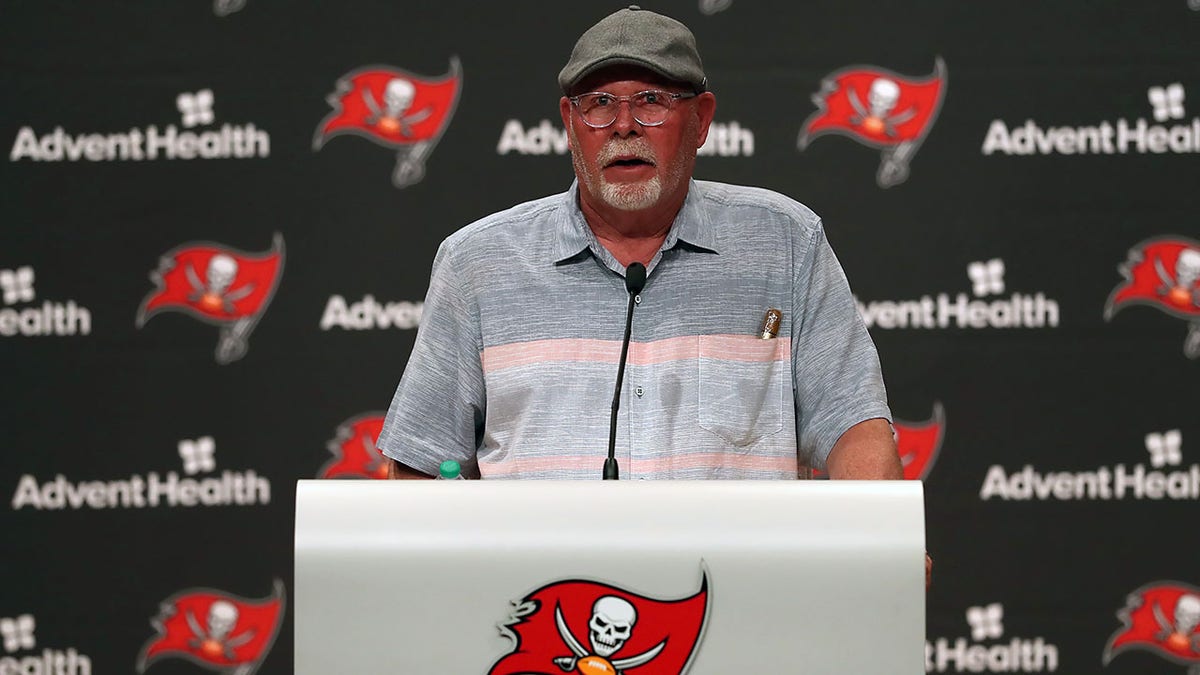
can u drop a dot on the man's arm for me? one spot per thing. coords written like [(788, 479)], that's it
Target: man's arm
[(866, 451), (398, 471)]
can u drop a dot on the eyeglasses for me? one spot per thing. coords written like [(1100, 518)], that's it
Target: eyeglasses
[(650, 108)]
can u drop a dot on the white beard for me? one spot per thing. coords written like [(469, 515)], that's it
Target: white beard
[(631, 196)]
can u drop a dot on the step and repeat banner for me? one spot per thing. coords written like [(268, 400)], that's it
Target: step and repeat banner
[(219, 218)]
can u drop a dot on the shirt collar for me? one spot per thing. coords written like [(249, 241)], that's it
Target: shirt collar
[(574, 236), (691, 228)]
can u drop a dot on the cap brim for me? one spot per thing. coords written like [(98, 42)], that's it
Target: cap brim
[(609, 61)]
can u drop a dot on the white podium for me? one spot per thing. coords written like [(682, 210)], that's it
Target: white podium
[(633, 577)]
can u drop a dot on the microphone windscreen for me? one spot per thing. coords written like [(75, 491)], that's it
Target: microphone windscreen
[(635, 278)]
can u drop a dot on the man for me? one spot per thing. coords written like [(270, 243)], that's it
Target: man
[(515, 360)]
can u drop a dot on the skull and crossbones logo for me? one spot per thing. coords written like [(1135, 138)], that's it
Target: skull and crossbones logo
[(609, 629), (398, 95), (877, 117), (1187, 617), (1183, 290), (216, 641), (214, 294)]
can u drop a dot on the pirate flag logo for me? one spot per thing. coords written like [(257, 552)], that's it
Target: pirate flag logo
[(592, 628), (1163, 273), (879, 109), (919, 443), (218, 285), (353, 449), (1162, 618), (214, 629), (395, 109)]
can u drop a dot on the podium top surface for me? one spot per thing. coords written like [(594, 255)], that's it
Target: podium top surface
[(631, 512)]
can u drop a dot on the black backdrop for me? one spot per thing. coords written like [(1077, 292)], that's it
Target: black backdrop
[(91, 396)]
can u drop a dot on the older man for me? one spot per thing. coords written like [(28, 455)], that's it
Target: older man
[(516, 357)]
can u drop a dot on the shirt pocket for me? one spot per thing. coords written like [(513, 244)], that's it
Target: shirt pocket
[(741, 379)]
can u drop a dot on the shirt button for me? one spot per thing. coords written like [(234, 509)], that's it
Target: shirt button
[(639, 391), (637, 299)]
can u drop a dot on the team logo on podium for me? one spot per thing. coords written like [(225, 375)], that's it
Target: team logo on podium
[(1163, 273), (395, 109), (214, 629), (1162, 618), (879, 109), (218, 285), (353, 449), (593, 628)]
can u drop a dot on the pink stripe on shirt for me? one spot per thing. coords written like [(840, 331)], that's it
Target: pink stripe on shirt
[(747, 348)]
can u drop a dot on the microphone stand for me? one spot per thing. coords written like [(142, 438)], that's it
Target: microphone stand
[(635, 280)]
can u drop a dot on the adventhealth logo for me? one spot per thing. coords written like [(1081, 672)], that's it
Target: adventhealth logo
[(196, 109), (50, 318), (980, 310), (985, 652), (1107, 137), (1167, 102), (725, 139), (18, 635), (1165, 479), (18, 632), (199, 486), (369, 313), (198, 455), (17, 285)]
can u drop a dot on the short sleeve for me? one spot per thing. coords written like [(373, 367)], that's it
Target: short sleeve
[(835, 368), (438, 410)]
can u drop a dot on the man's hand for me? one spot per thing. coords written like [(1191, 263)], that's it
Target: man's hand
[(398, 471), (867, 451), (928, 571)]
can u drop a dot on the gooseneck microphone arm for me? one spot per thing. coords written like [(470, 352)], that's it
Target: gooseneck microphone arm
[(635, 280)]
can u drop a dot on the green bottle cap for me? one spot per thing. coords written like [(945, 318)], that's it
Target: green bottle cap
[(449, 469)]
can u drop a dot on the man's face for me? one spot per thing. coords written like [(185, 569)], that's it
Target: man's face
[(626, 165)]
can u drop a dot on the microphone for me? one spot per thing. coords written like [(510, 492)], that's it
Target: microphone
[(635, 280)]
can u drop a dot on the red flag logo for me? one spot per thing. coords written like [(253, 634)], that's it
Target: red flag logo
[(919, 443), (879, 109), (591, 628), (218, 285), (1162, 618), (214, 629), (354, 451), (1163, 273), (395, 109)]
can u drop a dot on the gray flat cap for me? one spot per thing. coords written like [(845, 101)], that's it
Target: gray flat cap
[(636, 37)]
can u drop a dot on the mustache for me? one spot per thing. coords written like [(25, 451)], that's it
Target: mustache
[(628, 148)]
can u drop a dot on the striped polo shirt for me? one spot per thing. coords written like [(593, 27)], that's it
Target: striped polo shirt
[(515, 361)]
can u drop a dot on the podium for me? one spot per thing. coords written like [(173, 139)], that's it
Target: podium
[(633, 577)]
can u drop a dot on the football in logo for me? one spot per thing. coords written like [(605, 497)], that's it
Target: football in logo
[(879, 109), (1163, 273), (395, 109), (919, 443), (214, 629), (1162, 618), (353, 449), (218, 285), (592, 628)]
